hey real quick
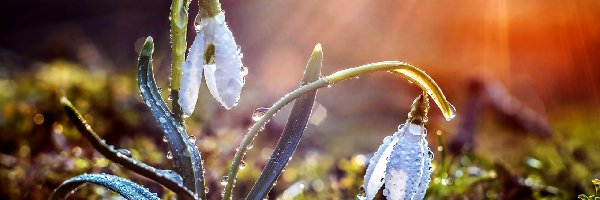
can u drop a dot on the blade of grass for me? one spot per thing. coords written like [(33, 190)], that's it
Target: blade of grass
[(292, 133), (124, 187), (186, 157)]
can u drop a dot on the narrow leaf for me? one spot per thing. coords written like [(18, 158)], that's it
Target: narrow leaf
[(292, 133), (186, 157), (112, 154), (124, 187)]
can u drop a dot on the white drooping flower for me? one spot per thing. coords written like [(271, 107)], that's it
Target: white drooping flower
[(224, 72), (402, 163)]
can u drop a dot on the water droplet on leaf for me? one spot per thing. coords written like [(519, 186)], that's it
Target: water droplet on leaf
[(124, 152), (224, 180)]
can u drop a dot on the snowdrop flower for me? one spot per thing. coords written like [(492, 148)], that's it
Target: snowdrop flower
[(224, 71), (403, 161)]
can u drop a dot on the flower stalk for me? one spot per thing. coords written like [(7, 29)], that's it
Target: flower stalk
[(179, 24)]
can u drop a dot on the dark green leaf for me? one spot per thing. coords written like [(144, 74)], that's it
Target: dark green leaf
[(186, 157), (161, 176), (292, 133), (124, 187)]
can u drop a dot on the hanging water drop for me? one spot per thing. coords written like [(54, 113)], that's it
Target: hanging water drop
[(242, 165), (362, 193), (259, 113), (250, 145), (431, 155), (169, 155), (159, 90), (206, 190), (224, 180), (165, 139)]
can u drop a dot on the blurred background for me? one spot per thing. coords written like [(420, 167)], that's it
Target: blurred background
[(523, 75)]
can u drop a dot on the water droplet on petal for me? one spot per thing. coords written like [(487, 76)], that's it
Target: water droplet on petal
[(162, 120), (244, 71), (386, 192), (165, 139), (192, 138), (206, 190), (259, 113), (169, 155)]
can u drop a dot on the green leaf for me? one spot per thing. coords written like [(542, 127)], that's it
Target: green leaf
[(292, 133), (186, 157), (108, 151), (124, 187)]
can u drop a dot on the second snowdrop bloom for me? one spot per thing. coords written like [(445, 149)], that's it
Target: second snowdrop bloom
[(215, 55), (403, 161)]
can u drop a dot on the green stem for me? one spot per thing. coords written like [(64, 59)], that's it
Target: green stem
[(209, 8), (408, 71), (179, 22)]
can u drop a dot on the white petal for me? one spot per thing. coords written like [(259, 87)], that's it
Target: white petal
[(225, 81), (405, 168), (426, 177), (191, 76), (377, 165)]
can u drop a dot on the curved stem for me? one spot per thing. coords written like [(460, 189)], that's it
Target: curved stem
[(406, 70)]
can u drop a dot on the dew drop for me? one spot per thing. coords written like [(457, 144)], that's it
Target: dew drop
[(259, 113), (362, 193), (242, 165), (124, 152), (165, 139), (206, 190), (169, 155), (386, 192), (431, 155), (250, 145), (162, 120), (192, 139), (224, 180), (244, 71)]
